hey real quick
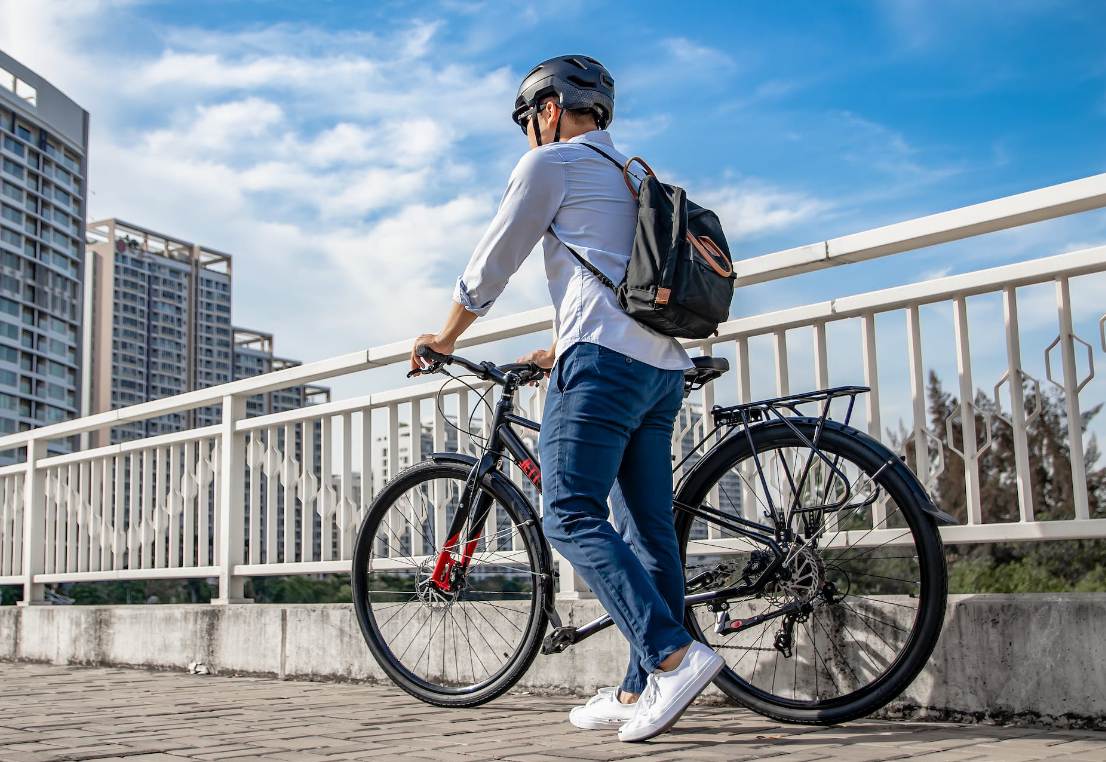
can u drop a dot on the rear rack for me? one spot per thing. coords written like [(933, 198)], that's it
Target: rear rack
[(761, 410), (753, 412)]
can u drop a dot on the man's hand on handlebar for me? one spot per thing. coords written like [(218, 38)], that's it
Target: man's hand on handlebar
[(430, 360), (430, 340), (543, 358)]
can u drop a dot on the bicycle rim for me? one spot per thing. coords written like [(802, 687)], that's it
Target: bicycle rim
[(459, 647), (871, 583)]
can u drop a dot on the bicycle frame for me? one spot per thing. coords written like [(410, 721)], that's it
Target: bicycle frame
[(504, 440)]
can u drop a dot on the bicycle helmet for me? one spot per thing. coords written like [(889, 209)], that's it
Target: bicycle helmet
[(579, 82)]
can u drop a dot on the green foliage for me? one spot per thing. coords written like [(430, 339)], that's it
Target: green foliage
[(137, 592), (9, 596), (300, 589), (1052, 566)]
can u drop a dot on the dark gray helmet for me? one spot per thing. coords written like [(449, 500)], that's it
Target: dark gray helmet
[(580, 82)]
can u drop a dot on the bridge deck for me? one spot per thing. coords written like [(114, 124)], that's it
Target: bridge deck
[(68, 713)]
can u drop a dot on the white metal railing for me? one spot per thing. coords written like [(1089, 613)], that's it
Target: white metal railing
[(283, 493)]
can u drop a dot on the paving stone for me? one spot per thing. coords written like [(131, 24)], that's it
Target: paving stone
[(50, 713)]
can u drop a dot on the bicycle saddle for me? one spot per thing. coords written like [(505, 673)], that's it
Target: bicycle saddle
[(718, 364), (706, 369)]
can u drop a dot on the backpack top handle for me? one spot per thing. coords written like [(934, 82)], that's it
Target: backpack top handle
[(709, 251), (626, 173)]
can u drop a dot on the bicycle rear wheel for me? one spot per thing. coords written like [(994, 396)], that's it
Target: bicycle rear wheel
[(864, 583), (464, 645)]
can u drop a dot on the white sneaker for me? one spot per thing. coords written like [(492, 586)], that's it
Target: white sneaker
[(668, 694), (602, 711)]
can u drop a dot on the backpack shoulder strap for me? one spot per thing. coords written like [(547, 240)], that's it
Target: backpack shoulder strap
[(588, 265), (604, 154)]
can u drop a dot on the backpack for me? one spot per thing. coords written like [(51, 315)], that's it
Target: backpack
[(680, 278)]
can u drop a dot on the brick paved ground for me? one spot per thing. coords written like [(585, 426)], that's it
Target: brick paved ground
[(65, 713)]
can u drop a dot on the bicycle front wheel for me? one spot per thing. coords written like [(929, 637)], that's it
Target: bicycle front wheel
[(850, 617), (448, 631)]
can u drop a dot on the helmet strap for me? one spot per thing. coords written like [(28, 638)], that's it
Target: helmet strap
[(537, 126)]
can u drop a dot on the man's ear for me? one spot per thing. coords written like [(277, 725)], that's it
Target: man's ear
[(550, 112)]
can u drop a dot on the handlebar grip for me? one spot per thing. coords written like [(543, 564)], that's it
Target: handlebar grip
[(426, 352)]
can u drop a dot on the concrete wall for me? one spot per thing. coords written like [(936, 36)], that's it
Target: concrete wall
[(1036, 658)]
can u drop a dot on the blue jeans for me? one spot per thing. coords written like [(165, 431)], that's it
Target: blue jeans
[(608, 417)]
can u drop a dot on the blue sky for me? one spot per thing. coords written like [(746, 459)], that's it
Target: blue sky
[(348, 154)]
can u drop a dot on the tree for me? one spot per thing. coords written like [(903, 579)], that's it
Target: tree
[(1017, 567)]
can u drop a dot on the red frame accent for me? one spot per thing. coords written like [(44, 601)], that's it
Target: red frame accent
[(445, 563), (533, 473)]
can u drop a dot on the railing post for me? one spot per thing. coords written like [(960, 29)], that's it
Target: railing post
[(34, 524), (232, 465), (572, 586)]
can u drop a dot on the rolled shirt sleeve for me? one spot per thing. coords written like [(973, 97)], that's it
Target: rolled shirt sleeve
[(534, 194)]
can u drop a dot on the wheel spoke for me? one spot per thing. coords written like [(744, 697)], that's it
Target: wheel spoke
[(854, 609), (487, 608)]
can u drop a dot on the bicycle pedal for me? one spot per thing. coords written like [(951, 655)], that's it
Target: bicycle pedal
[(558, 640)]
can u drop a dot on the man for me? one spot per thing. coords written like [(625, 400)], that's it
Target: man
[(614, 392)]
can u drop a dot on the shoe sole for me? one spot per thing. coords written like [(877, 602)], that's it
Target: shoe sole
[(697, 686), (596, 724)]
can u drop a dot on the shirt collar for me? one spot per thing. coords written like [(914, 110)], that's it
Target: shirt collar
[(594, 136)]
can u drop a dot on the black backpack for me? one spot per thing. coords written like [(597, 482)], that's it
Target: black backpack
[(680, 278)]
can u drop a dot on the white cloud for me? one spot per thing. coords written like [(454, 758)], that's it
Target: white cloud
[(748, 208), (299, 151), (349, 173), (693, 57)]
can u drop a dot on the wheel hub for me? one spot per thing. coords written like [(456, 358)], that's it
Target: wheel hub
[(428, 591), (804, 576)]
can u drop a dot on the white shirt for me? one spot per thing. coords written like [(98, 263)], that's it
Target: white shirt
[(584, 198)]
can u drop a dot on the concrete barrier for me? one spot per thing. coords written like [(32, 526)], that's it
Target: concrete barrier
[(1026, 658)]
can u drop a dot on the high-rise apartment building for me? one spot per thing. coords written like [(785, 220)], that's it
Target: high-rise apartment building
[(157, 317), (253, 355), (43, 190)]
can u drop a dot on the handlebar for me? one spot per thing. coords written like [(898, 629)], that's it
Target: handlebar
[(525, 372)]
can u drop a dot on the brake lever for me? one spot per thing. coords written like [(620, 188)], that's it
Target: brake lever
[(432, 368)]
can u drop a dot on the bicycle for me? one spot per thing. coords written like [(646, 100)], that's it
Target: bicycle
[(811, 555)]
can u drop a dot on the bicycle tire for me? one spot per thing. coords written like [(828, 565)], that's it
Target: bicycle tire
[(903, 487), (422, 688)]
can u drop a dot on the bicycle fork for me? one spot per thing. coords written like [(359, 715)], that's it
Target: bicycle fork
[(447, 566)]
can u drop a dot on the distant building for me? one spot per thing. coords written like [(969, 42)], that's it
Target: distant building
[(43, 191), (158, 318), (163, 307), (253, 356)]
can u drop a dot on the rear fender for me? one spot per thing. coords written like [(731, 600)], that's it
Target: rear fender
[(694, 480)]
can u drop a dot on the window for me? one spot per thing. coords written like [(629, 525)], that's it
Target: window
[(52, 414), (13, 169), (14, 146), (11, 213)]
